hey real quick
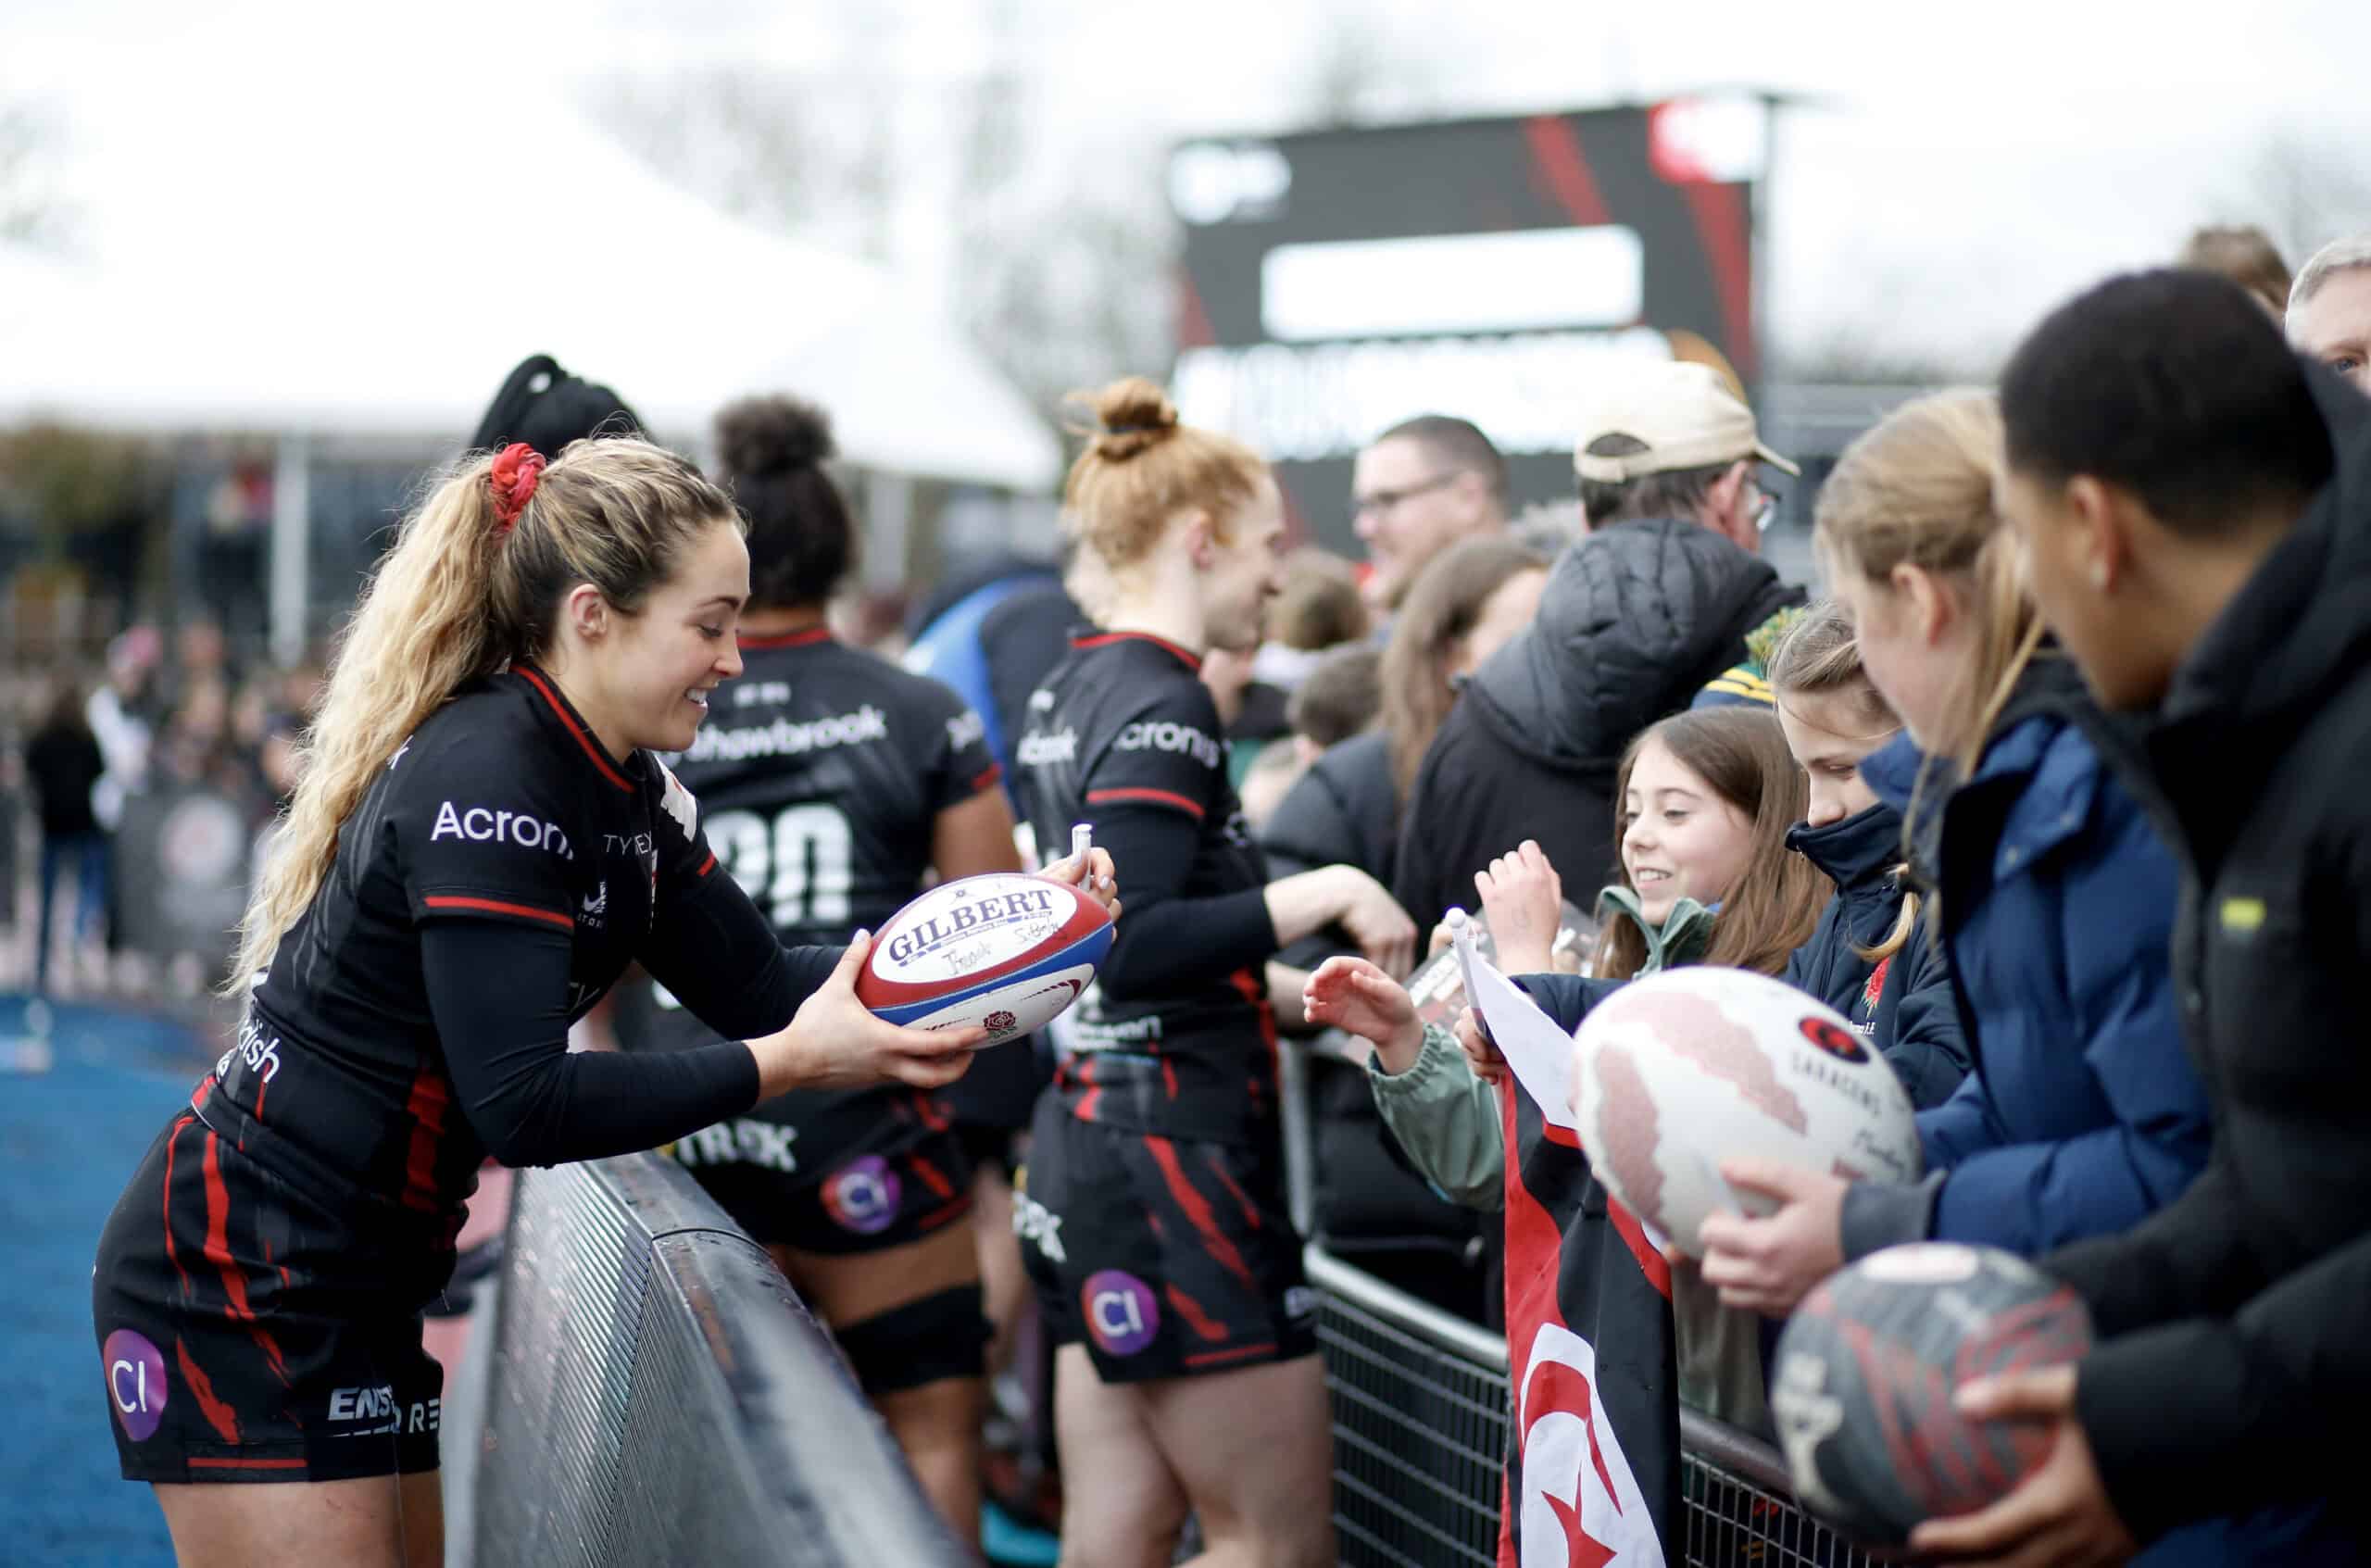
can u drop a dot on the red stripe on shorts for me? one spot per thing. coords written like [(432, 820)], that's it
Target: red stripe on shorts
[(219, 1416), (1218, 1169), (1164, 1154), (932, 1178), (1234, 1353), (246, 1464), (172, 1255), (426, 1107), (218, 1252), (1199, 1321)]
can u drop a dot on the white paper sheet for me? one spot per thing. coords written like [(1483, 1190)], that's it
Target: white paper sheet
[(1539, 1053)]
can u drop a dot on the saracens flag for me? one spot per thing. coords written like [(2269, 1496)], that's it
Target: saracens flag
[(1593, 1465)]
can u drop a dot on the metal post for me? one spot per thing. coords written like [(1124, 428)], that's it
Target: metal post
[(291, 541), (888, 518)]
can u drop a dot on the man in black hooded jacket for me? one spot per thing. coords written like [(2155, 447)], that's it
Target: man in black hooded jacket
[(2198, 506), (1653, 609)]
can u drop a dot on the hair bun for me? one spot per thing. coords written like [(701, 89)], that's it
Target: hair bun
[(1130, 415), (760, 436)]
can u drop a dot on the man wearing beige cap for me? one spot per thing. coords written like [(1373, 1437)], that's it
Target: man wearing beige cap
[(1650, 612)]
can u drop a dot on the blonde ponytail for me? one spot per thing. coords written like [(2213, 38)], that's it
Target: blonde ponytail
[(455, 598)]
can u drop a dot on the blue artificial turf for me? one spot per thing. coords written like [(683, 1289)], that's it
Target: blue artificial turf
[(69, 1139)]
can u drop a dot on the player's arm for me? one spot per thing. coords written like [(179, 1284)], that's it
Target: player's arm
[(484, 856), (971, 820), (498, 993)]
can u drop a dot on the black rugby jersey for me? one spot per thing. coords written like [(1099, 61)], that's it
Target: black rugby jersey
[(1175, 1037), (821, 773), (502, 810)]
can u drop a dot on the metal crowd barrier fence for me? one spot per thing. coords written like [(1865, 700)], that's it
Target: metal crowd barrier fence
[(1420, 1429), (658, 1395)]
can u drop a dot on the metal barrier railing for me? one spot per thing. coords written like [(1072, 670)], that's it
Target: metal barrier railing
[(657, 1394), (1420, 1424)]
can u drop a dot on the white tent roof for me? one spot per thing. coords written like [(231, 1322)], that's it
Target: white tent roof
[(320, 254)]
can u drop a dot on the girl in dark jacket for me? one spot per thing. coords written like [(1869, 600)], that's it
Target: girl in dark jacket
[(2082, 1114), (1873, 960)]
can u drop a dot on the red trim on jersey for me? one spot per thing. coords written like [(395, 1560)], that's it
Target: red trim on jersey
[(1236, 1353), (995, 774), (707, 865), (1196, 1317), (1191, 659), (219, 1416), (263, 1087), (808, 637), (218, 1252), (246, 1463), (426, 1108), (1149, 796), (197, 1095), (1198, 1210), (600, 759), (172, 1255), (496, 906), (1169, 1076), (933, 1115)]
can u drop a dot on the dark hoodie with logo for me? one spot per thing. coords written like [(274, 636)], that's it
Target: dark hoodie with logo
[(1636, 618), (2237, 1365)]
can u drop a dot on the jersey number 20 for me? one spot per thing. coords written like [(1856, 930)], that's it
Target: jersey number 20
[(797, 867)]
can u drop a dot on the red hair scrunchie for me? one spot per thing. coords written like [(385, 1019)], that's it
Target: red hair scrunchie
[(516, 472)]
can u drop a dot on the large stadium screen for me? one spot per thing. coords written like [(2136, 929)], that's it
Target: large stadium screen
[(1338, 282)]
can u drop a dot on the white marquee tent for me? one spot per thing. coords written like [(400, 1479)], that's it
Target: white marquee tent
[(321, 256), (276, 245)]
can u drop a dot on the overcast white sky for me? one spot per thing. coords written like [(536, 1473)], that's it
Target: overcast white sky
[(1960, 169)]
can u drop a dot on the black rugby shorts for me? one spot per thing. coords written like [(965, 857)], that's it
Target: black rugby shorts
[(238, 1338), (861, 1174), (1165, 1257)]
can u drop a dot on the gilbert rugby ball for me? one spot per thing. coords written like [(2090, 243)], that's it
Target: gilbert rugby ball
[(1680, 1071), (1001, 949), (1867, 1368)]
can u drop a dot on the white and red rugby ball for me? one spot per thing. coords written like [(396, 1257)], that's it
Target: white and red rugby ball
[(1000, 949), (1673, 1074)]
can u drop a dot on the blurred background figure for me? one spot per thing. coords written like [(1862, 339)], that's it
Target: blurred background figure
[(2244, 254), (2329, 310), (65, 764), (1418, 488)]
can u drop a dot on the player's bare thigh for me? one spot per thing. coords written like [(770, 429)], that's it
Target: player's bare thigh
[(1263, 1489), (378, 1522), (845, 1289), (1122, 1504)]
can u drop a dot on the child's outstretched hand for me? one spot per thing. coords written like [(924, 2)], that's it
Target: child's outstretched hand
[(1481, 1051), (1354, 996), (1522, 899)]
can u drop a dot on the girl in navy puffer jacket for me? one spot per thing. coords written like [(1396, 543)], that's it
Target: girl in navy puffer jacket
[(1872, 959)]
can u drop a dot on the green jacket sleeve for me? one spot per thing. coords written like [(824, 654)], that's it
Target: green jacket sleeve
[(1447, 1121)]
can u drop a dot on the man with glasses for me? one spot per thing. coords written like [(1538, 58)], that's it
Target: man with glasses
[(1418, 488), (1656, 607)]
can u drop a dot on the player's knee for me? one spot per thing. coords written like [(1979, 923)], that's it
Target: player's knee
[(936, 1337)]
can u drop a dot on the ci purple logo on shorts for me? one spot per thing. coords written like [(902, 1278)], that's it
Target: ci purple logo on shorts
[(135, 1382), (1120, 1312), (863, 1194)]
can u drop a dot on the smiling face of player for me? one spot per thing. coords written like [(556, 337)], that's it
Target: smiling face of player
[(1681, 838), (644, 680), (1242, 567)]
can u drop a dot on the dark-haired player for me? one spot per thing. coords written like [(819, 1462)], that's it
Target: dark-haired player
[(2197, 502), (833, 785), (1153, 1204), (481, 842)]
